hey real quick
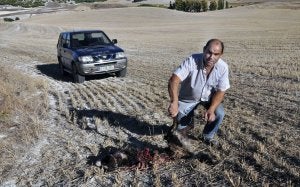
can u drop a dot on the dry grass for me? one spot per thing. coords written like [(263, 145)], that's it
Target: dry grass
[(53, 129), (23, 107)]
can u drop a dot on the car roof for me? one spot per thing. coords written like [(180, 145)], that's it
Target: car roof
[(81, 31)]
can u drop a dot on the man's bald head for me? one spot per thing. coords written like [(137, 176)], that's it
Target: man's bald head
[(214, 42)]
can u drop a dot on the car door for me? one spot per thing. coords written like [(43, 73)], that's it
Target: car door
[(66, 51), (60, 50)]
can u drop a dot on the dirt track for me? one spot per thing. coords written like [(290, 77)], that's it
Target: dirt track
[(260, 134)]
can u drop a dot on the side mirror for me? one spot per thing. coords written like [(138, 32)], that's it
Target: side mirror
[(114, 41)]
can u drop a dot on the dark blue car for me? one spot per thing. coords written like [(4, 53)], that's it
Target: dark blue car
[(89, 52)]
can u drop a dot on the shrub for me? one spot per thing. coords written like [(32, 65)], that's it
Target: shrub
[(152, 5), (8, 19), (220, 4), (171, 5), (188, 5), (213, 5), (88, 1), (204, 5), (226, 4), (179, 5), (197, 6), (25, 3)]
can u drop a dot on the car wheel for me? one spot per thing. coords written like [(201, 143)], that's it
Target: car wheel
[(76, 77), (122, 73)]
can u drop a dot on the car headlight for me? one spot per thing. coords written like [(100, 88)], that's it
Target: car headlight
[(86, 59), (120, 55)]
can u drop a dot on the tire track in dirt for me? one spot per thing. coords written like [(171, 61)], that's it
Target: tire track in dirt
[(94, 96), (83, 98), (116, 94), (106, 97)]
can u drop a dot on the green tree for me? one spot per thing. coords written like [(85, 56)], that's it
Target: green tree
[(220, 4), (188, 5), (197, 5), (171, 5), (191, 5), (213, 5), (179, 5), (38, 3), (204, 5), (25, 3)]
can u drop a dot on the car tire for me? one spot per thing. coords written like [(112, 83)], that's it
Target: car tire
[(77, 78), (122, 73)]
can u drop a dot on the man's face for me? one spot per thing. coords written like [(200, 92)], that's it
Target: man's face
[(212, 53)]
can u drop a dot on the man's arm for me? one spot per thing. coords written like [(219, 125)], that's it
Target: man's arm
[(173, 93), (217, 98)]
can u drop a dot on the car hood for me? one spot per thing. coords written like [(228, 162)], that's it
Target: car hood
[(98, 50)]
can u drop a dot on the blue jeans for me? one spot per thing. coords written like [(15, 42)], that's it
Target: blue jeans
[(186, 114)]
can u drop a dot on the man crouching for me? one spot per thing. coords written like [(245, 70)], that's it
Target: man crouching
[(204, 80)]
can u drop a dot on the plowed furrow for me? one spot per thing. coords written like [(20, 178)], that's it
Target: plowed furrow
[(260, 108), (106, 98), (92, 97), (94, 92), (76, 99), (120, 96), (116, 95)]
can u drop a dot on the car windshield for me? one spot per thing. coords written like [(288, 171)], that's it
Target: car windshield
[(89, 39)]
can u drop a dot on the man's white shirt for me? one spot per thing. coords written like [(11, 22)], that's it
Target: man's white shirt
[(195, 86)]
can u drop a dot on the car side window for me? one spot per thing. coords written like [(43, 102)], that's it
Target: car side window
[(63, 40), (66, 40)]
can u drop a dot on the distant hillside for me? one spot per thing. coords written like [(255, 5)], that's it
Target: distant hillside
[(36, 3)]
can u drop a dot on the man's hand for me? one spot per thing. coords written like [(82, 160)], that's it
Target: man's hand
[(209, 116), (173, 109), (217, 98)]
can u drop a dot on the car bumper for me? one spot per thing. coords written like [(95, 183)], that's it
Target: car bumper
[(102, 67)]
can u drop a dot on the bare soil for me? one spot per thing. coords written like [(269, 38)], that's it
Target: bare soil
[(259, 138)]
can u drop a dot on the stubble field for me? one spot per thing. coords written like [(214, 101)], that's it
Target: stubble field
[(52, 129)]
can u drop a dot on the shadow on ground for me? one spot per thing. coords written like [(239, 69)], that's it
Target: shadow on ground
[(52, 71), (130, 123)]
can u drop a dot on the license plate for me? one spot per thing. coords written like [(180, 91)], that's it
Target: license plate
[(106, 68)]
